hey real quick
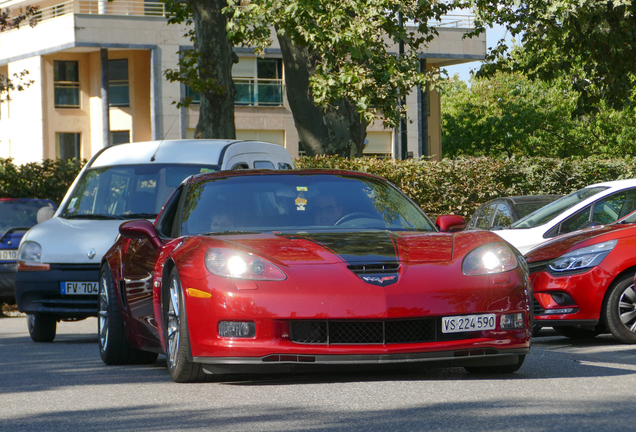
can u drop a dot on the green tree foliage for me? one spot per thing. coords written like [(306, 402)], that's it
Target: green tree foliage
[(589, 42), (509, 114), (18, 81)]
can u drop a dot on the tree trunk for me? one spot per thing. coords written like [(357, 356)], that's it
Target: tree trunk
[(337, 130), (216, 57)]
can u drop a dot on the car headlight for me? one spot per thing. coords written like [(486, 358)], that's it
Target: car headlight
[(586, 257), (30, 257), (490, 258), (239, 265)]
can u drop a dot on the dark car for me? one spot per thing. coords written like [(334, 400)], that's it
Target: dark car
[(263, 271), (18, 215), (501, 212)]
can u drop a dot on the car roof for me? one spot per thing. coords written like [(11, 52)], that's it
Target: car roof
[(618, 184), (186, 151), (524, 199)]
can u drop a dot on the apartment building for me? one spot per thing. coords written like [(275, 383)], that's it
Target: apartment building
[(61, 114)]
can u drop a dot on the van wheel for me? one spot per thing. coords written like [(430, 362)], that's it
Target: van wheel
[(620, 310), (42, 327), (113, 342), (505, 369)]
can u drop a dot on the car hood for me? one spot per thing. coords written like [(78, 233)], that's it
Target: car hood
[(350, 247), (70, 240), (564, 243)]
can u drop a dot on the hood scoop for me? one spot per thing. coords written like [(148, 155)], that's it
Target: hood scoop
[(381, 274), (381, 268)]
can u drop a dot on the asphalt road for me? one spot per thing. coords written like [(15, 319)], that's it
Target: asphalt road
[(64, 386)]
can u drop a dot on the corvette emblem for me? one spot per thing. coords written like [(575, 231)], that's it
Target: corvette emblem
[(91, 254), (380, 280)]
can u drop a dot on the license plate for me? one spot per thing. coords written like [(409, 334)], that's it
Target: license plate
[(80, 288), (8, 255), (467, 323)]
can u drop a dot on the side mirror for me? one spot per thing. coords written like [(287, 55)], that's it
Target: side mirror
[(451, 223), (140, 229), (44, 214)]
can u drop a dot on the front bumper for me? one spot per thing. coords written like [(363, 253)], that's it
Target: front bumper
[(582, 306), (7, 282), (40, 291), (288, 362)]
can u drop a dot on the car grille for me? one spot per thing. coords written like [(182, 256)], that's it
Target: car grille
[(538, 266), (536, 308), (374, 268), (332, 332), (75, 267)]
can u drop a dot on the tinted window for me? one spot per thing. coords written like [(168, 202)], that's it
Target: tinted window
[(575, 221), (128, 190), (298, 202), (614, 207), (554, 209), (503, 216), (20, 213), (263, 165), (483, 216)]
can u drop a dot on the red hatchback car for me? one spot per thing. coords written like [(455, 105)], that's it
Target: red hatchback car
[(263, 271), (584, 281)]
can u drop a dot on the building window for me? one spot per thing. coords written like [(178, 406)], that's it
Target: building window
[(119, 137), (67, 145), (258, 84), (66, 84), (118, 83)]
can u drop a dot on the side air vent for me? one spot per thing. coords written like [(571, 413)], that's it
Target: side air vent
[(538, 266), (374, 268)]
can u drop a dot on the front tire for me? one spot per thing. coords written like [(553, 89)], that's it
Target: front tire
[(180, 367), (42, 327), (114, 347), (620, 310), (504, 369)]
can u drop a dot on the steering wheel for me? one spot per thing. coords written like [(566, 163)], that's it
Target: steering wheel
[(355, 215)]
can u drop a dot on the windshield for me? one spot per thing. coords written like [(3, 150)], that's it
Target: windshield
[(298, 202), (127, 191), (552, 210), (20, 213)]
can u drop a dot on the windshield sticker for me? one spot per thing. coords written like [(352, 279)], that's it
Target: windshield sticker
[(206, 170), (71, 205), (301, 188), (301, 202)]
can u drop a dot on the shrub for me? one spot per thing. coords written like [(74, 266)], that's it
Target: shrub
[(460, 185), (47, 179)]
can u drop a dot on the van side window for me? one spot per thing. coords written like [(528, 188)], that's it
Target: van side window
[(240, 165), (284, 166), (263, 165)]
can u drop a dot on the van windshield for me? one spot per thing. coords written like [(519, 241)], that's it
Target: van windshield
[(127, 191), (552, 210)]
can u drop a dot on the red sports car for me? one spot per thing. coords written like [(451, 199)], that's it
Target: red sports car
[(263, 271), (584, 281)]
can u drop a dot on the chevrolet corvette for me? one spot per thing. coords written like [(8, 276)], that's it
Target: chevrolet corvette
[(264, 271)]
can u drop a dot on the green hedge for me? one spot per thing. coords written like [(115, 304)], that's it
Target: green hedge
[(450, 186), (47, 179), (459, 186)]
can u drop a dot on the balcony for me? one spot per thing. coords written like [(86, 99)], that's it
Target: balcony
[(253, 92)]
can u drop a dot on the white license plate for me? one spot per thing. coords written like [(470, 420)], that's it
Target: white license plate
[(80, 288), (8, 255), (467, 323)]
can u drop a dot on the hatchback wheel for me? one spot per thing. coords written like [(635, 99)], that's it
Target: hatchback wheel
[(42, 327), (620, 310)]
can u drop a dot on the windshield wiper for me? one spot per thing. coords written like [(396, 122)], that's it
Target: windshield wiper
[(93, 216), (139, 216)]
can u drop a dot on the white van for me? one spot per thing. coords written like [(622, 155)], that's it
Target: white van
[(58, 259)]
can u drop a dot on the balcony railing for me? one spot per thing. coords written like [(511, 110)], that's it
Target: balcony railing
[(157, 9), (252, 92), (102, 7)]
